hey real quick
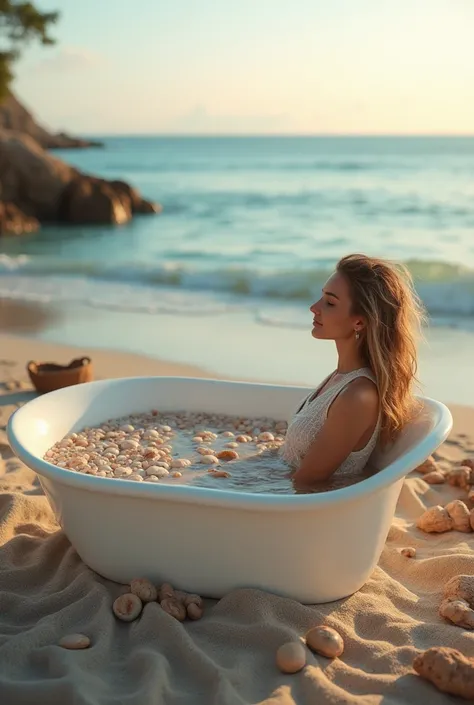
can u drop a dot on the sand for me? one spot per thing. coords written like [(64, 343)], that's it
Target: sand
[(228, 657)]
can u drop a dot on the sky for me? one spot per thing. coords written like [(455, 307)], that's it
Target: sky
[(254, 67)]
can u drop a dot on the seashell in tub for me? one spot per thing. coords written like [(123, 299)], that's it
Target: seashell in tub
[(209, 460)]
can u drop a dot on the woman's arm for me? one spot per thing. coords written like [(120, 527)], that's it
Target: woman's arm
[(351, 415)]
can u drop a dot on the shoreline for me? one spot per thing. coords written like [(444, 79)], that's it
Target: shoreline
[(17, 351), (225, 346)]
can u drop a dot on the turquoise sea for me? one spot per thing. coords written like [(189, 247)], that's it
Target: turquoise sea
[(250, 229)]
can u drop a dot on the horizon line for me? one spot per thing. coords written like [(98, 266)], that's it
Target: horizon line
[(261, 135)]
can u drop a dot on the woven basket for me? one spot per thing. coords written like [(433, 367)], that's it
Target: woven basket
[(48, 376)]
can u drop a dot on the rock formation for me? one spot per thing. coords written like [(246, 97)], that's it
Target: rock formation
[(14, 222), (14, 116), (37, 187)]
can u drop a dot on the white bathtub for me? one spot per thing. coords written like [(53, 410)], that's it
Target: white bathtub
[(314, 548)]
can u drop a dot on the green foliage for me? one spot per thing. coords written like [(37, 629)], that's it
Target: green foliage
[(20, 23)]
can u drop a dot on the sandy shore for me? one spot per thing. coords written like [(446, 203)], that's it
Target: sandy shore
[(227, 658), (17, 351)]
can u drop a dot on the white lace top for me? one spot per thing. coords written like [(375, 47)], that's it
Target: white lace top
[(310, 417)]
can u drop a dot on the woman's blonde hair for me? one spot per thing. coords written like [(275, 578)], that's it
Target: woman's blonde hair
[(383, 294)]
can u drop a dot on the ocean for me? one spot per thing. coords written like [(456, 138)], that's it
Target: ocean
[(251, 228)]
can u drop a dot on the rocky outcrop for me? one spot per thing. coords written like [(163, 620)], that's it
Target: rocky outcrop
[(46, 189), (88, 201), (31, 178), (14, 222), (137, 203), (14, 116)]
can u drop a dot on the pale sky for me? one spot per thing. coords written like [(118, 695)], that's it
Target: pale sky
[(255, 66)]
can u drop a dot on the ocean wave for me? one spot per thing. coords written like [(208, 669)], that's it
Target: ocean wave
[(323, 200), (446, 289), (246, 165)]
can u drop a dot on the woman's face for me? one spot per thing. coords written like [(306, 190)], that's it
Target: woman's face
[(332, 313)]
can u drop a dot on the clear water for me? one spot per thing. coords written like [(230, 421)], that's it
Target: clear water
[(258, 467)]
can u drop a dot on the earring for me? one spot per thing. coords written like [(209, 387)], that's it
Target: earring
[(357, 335)]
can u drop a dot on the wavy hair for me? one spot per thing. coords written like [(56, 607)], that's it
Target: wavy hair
[(383, 293)]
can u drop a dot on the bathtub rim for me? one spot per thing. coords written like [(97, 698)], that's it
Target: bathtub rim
[(239, 500)]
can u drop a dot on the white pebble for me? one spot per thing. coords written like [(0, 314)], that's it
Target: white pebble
[(123, 472), (209, 459), (151, 435), (129, 445), (202, 450), (266, 436), (157, 471), (179, 463)]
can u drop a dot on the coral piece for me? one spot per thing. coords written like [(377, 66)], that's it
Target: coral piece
[(434, 478), (428, 466), (194, 611), (192, 599), (165, 591), (174, 607), (435, 520), (180, 595), (459, 514), (144, 589), (461, 587), (460, 477), (458, 612), (448, 669)]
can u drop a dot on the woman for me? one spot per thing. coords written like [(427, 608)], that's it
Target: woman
[(369, 308)]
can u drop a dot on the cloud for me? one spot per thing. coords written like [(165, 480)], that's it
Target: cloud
[(69, 59), (200, 120)]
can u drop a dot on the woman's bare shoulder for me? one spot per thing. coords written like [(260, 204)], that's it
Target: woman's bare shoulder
[(362, 394)]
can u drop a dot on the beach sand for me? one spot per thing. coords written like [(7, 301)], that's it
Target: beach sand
[(228, 657)]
